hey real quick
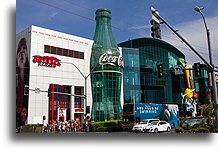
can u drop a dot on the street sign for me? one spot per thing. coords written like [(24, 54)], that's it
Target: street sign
[(26, 90), (178, 70), (37, 90)]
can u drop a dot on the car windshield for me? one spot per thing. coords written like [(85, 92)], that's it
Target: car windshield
[(154, 122), (145, 122)]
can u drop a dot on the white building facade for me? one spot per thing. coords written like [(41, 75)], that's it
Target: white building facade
[(51, 56), (57, 62)]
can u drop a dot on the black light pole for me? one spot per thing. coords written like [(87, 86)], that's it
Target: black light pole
[(198, 9), (214, 87)]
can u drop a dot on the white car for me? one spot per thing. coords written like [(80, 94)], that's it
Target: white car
[(158, 126), (141, 127)]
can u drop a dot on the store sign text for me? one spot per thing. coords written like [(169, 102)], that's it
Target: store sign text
[(147, 109), (106, 59), (46, 61)]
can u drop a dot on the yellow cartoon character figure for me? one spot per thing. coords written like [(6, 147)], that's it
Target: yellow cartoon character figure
[(188, 95)]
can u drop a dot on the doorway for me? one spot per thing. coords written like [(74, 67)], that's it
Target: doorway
[(59, 104)]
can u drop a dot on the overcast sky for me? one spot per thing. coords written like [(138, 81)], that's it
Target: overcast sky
[(131, 19)]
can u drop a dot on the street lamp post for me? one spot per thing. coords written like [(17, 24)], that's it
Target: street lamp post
[(214, 87), (85, 79), (198, 9)]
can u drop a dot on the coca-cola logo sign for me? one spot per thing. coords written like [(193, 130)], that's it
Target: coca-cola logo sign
[(106, 59), (46, 61)]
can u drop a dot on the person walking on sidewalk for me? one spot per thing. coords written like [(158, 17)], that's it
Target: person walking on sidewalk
[(75, 126)]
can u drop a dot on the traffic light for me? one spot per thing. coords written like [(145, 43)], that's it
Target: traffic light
[(87, 109), (160, 70), (156, 32), (197, 69), (49, 92)]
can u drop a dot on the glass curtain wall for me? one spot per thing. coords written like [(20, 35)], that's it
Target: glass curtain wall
[(131, 78), (202, 87), (152, 89)]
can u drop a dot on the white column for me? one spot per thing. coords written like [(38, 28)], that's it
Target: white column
[(72, 104)]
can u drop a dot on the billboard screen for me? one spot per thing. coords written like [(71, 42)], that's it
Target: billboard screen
[(166, 112), (22, 79)]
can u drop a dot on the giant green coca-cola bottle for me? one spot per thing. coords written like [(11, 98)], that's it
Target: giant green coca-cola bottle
[(106, 70)]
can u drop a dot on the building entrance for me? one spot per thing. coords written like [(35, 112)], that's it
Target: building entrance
[(78, 118), (62, 114), (59, 103)]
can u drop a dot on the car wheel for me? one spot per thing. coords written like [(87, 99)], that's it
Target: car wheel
[(168, 129), (155, 130)]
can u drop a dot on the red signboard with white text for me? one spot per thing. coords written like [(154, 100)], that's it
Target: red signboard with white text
[(46, 61)]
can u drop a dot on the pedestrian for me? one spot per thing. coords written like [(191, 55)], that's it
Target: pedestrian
[(74, 126), (46, 128), (63, 127), (70, 125), (66, 127), (58, 127), (53, 126)]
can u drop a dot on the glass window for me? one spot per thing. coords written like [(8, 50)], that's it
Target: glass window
[(59, 51), (154, 122), (132, 78), (53, 51), (79, 101), (47, 49), (81, 55), (71, 53), (76, 54), (65, 52)]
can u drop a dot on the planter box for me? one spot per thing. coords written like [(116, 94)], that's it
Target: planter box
[(32, 129)]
